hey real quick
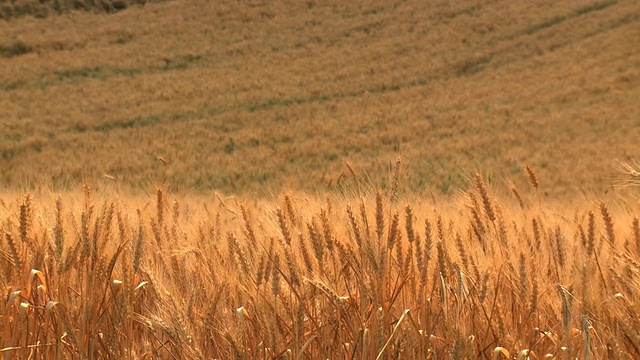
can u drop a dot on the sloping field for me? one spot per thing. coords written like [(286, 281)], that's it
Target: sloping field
[(256, 97)]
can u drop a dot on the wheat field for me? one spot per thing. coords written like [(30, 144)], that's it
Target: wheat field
[(319, 180), (244, 98), (373, 276)]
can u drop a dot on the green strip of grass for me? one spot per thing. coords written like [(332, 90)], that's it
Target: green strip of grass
[(15, 49)]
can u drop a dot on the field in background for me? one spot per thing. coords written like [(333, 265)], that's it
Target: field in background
[(256, 97)]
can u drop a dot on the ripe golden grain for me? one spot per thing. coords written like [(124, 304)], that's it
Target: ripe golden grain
[(331, 284)]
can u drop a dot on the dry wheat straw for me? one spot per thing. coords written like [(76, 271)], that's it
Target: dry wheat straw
[(624, 284), (393, 231), (306, 257), (236, 251), (316, 243), (249, 232), (294, 279), (379, 217), (474, 269), (566, 315), (630, 172), (419, 252), (559, 246), (591, 233), (350, 168), (371, 257), (499, 316), (524, 285), (533, 179), (440, 227), (84, 233), (25, 218), (635, 227), (107, 222), (268, 267), (442, 266), (536, 233), (409, 224), (72, 257), (584, 285), (399, 249), (533, 300), (159, 207), (457, 348), (583, 237), (608, 222), (484, 194), (288, 202), (275, 275), (516, 193), (326, 230), (157, 233), (260, 271), (97, 228), (365, 221), (354, 227), (484, 286), (502, 228), (58, 231), (138, 246), (477, 224), (395, 182), (428, 244), (284, 228), (15, 253), (462, 252), (407, 264)]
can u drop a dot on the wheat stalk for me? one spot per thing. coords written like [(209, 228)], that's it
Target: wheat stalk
[(533, 179), (608, 223), (484, 194)]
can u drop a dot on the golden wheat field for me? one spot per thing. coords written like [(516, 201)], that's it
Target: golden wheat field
[(319, 179), (371, 277), (261, 97)]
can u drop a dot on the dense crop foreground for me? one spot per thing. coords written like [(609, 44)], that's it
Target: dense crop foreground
[(364, 277)]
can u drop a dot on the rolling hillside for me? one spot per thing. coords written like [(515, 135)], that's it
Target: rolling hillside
[(256, 97)]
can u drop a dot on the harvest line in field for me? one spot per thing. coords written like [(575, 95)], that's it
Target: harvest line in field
[(208, 112), (58, 77), (561, 18)]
